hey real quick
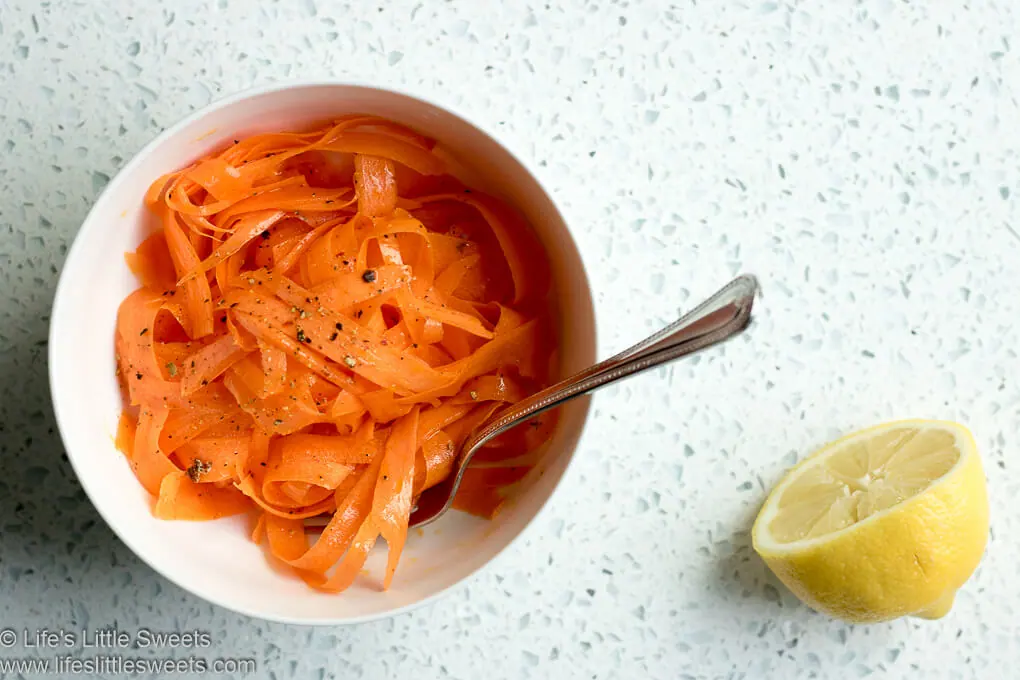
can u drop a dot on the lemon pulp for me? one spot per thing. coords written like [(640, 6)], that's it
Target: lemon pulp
[(862, 478)]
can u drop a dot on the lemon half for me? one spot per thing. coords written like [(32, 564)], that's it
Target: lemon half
[(886, 522)]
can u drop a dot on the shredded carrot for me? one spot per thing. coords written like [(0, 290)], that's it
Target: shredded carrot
[(324, 317)]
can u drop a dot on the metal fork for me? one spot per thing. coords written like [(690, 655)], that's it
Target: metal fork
[(721, 317)]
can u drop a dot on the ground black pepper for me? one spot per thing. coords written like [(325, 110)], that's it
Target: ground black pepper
[(197, 469)]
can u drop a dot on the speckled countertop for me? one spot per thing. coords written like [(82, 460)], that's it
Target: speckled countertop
[(861, 158)]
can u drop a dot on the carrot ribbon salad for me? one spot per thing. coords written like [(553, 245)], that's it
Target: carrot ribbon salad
[(324, 318)]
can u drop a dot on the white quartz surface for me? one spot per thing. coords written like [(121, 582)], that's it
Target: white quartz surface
[(860, 157)]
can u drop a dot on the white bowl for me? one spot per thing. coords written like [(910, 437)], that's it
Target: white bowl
[(217, 560)]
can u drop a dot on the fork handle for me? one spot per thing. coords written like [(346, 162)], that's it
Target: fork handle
[(719, 318)]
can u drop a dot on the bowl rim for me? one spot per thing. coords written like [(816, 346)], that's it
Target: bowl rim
[(88, 225)]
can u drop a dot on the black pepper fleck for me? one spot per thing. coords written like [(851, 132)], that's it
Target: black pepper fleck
[(197, 469)]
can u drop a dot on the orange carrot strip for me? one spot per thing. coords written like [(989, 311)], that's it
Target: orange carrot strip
[(288, 482), (521, 248), (246, 229), (228, 271), (242, 336), (199, 297), (391, 504), (270, 334), (180, 498), (350, 567), (127, 426), (154, 195), (434, 462), (290, 196), (286, 537), (213, 459), (512, 348), (247, 487), (135, 349), (178, 199), (147, 460), (375, 184), (339, 533), (376, 124), (274, 369), (187, 423), (342, 292), (258, 532), (450, 278), (432, 420), (151, 263), (442, 314), (305, 459), (278, 241), (385, 230), (278, 413), (208, 363), (374, 144), (287, 262), (383, 406), (346, 404), (330, 450), (333, 254), (220, 179)]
